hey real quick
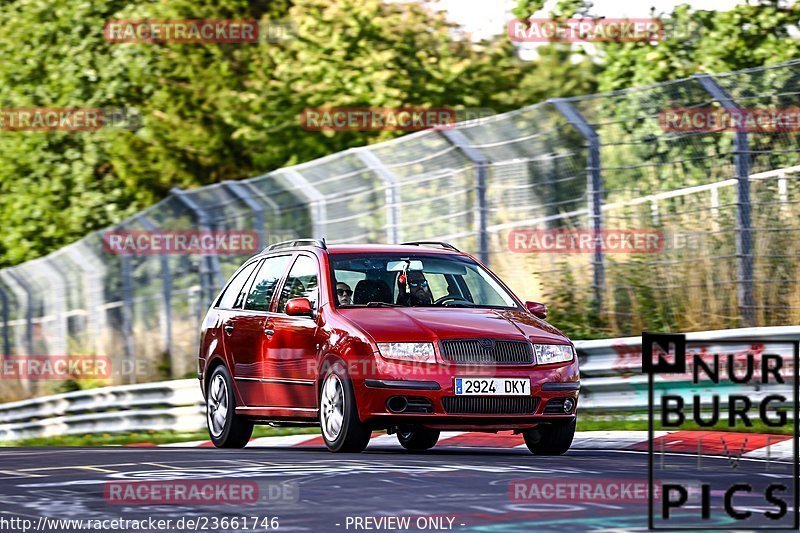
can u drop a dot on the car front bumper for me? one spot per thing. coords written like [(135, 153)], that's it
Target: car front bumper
[(433, 384)]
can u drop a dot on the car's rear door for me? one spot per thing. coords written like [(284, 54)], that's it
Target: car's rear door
[(223, 310), (245, 336)]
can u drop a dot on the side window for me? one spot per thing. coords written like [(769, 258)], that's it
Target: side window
[(265, 283), (229, 298), (301, 282)]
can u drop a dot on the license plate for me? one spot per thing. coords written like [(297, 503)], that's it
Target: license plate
[(493, 386)]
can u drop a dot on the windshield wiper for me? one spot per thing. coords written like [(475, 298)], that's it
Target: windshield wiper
[(382, 304)]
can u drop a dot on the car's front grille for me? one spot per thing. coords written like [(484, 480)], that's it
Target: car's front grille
[(489, 405), (487, 351)]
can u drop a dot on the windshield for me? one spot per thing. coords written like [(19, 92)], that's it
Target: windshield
[(388, 280)]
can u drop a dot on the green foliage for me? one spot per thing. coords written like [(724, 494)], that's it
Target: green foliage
[(570, 307), (216, 111), (561, 10), (752, 34), (749, 35)]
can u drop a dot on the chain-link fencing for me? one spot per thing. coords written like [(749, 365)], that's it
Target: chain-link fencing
[(723, 204)]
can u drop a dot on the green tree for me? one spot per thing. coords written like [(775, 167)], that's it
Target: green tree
[(213, 112), (751, 34), (696, 41)]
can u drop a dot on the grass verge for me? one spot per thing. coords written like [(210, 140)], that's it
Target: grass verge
[(145, 437), (638, 422)]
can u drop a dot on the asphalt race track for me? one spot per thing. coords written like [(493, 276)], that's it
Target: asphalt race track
[(468, 487)]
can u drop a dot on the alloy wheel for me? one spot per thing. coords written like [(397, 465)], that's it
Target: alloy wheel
[(332, 407), (217, 411)]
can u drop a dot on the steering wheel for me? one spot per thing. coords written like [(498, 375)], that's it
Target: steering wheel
[(450, 298)]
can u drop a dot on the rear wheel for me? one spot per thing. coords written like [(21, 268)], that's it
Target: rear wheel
[(338, 415), (226, 428), (418, 438), (551, 439)]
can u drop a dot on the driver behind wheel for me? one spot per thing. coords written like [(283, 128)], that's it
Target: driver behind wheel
[(414, 289)]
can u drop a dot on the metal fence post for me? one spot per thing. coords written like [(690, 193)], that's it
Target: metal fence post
[(744, 238), (26, 288), (595, 192), (241, 192), (127, 315), (166, 293), (389, 179), (481, 163), (210, 272), (55, 303), (316, 200), (94, 271), (4, 318), (30, 384), (249, 185)]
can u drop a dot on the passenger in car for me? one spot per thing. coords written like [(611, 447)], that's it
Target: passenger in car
[(344, 293)]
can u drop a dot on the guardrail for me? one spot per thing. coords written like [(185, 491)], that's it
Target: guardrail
[(611, 369), (611, 380), (176, 405)]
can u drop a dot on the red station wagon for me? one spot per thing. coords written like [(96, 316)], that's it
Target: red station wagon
[(413, 339)]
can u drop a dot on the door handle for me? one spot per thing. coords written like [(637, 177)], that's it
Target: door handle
[(228, 329), (269, 331)]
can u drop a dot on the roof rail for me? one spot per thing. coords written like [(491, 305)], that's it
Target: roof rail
[(319, 243), (445, 245)]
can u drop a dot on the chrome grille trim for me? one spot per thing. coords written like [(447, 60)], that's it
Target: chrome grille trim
[(472, 351)]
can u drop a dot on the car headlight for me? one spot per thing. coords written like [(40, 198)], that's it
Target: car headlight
[(417, 352), (553, 353)]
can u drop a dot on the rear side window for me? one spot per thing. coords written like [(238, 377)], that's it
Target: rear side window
[(301, 282), (265, 283), (229, 298)]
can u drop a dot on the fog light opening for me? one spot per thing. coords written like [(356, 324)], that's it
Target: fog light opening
[(569, 405)]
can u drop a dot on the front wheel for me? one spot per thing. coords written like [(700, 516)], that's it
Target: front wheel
[(418, 439), (342, 430), (226, 428), (552, 439)]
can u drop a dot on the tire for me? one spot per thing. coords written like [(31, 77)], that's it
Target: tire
[(418, 438), (225, 427), (342, 430), (554, 439)]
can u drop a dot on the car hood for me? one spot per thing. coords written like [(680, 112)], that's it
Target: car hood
[(396, 324)]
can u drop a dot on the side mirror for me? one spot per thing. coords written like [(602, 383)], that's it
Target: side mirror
[(538, 310), (299, 307)]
